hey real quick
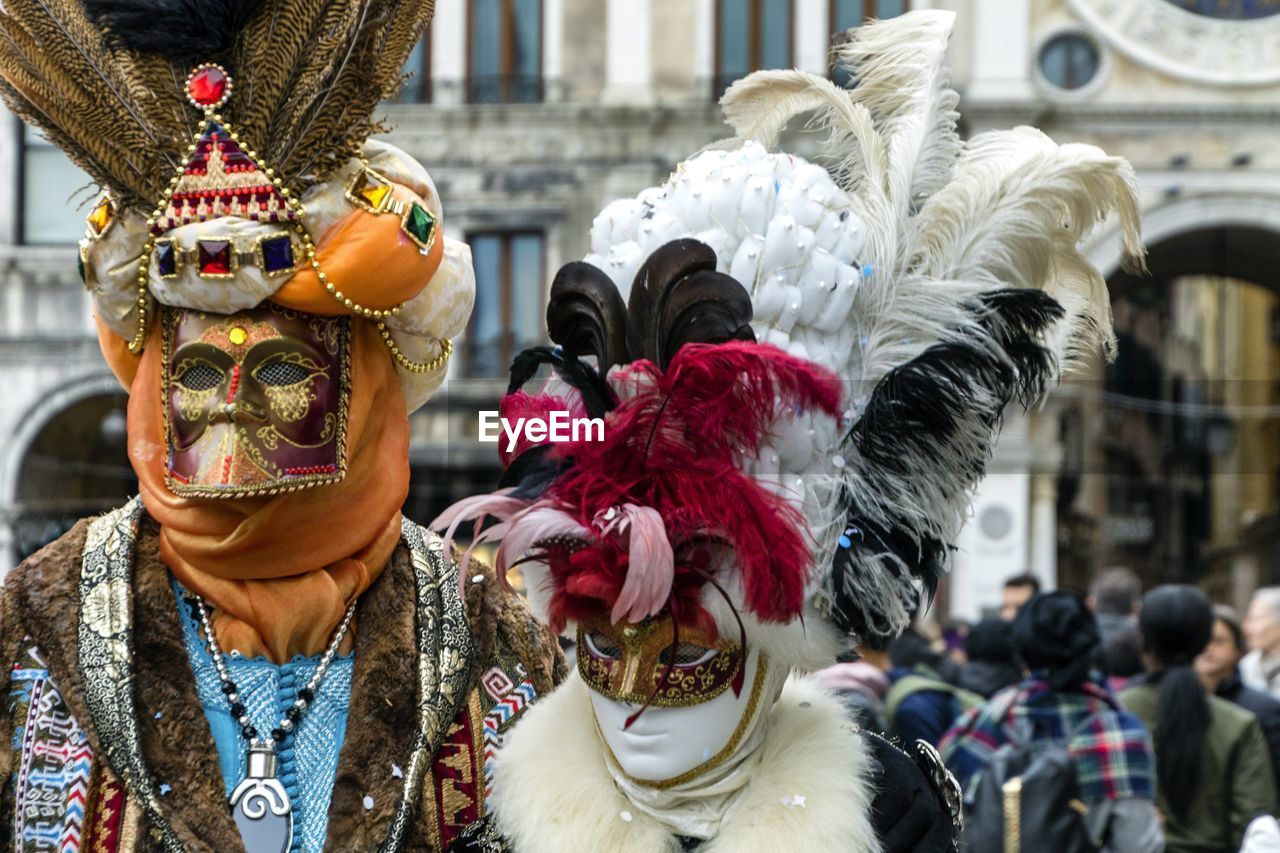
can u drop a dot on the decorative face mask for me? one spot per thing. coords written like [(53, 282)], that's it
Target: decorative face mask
[(257, 401), (669, 745), (690, 686)]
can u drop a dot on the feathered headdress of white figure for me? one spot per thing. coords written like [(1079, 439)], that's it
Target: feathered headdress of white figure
[(940, 278)]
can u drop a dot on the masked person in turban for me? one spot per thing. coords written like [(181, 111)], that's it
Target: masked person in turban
[(800, 372), (258, 652)]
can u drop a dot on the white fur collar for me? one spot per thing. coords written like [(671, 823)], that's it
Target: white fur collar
[(553, 792)]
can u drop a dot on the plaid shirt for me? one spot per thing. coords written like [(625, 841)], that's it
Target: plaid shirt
[(1112, 754)]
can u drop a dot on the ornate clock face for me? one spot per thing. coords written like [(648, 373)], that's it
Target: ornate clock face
[(1218, 42), (1231, 10)]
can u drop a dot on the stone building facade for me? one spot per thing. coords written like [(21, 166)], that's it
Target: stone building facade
[(532, 114)]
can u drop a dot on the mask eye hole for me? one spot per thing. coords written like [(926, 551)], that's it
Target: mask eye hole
[(686, 654), (603, 647), (278, 373), (201, 376)]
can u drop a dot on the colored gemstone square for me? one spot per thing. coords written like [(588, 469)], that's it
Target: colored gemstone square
[(369, 190), (420, 225), (101, 216), (214, 258), (166, 259), (277, 255), (375, 194)]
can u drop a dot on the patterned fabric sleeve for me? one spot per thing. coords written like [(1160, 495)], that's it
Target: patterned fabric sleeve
[(57, 798), (517, 661)]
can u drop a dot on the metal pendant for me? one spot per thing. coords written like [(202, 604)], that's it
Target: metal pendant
[(260, 805)]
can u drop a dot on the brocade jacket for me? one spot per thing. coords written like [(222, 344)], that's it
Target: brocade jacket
[(106, 746)]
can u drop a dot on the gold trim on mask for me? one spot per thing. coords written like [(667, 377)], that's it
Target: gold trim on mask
[(635, 672), (735, 739)]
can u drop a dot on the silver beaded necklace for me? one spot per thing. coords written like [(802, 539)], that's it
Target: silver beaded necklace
[(260, 804)]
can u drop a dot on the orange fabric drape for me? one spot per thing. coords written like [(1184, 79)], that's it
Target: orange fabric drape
[(280, 571), (369, 259)]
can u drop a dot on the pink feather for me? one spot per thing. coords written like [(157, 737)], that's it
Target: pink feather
[(540, 522), (651, 563), (497, 504), (513, 407)]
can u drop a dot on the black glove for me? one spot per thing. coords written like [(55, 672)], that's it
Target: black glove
[(909, 812)]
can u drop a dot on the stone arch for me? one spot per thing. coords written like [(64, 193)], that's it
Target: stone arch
[(58, 410), (38, 416), (1175, 429), (1194, 223)]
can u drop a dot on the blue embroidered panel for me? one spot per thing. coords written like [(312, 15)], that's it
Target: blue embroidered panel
[(308, 758)]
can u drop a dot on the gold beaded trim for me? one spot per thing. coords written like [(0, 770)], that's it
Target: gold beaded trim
[(308, 247), (446, 350)]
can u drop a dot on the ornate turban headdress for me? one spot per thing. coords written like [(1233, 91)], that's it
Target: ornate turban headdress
[(232, 140), (896, 300), (243, 194)]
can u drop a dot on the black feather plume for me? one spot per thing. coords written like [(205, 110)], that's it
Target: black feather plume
[(185, 32), (900, 556), (943, 407), (679, 298), (597, 397), (586, 314), (532, 472)]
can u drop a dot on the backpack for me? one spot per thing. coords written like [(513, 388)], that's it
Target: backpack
[(920, 681), (1029, 790)]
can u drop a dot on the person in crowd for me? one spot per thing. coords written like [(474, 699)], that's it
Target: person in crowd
[(1260, 669), (1218, 669), (914, 650), (955, 633), (1017, 591), (1114, 596), (861, 686), (1263, 836), (1215, 775), (1056, 635), (925, 697), (1121, 659), (991, 665)]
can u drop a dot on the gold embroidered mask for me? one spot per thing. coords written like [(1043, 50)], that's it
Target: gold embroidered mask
[(626, 663), (257, 400)]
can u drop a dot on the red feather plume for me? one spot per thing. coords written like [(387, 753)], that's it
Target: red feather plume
[(677, 447)]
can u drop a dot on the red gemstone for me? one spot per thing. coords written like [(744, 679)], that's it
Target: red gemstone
[(208, 86), (215, 257)]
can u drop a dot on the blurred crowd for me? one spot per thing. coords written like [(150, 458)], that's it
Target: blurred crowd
[(1117, 720)]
